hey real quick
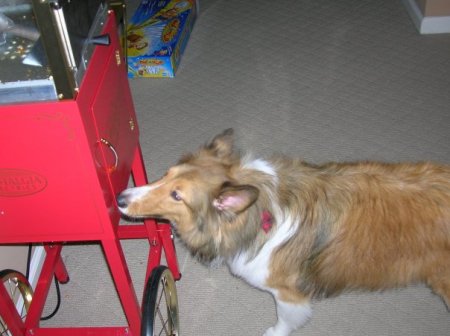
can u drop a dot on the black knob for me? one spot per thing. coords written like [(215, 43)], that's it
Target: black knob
[(103, 40)]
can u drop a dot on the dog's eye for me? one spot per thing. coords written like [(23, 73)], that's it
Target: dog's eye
[(175, 195)]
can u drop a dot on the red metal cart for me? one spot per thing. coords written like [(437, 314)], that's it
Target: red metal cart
[(61, 165)]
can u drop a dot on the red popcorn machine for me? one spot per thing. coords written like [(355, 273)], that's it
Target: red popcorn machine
[(69, 143)]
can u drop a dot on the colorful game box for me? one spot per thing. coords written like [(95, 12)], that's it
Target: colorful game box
[(157, 36)]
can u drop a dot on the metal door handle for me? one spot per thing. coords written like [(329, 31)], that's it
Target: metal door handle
[(116, 156)]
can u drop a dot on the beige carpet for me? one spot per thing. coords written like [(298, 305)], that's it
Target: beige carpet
[(324, 80)]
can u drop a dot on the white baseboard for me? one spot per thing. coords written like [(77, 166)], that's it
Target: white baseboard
[(427, 24), (36, 262), (37, 259)]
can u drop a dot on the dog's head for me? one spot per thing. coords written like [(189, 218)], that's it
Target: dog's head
[(199, 196)]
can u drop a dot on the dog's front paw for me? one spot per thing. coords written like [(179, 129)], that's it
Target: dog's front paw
[(269, 332), (273, 332)]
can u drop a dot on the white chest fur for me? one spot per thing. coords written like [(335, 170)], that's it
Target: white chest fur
[(256, 270)]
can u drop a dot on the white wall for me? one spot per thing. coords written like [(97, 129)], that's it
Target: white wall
[(14, 257)]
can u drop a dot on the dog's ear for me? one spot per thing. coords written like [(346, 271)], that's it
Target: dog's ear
[(222, 144), (236, 199)]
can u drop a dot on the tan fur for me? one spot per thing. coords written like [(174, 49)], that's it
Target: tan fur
[(367, 226), (359, 225)]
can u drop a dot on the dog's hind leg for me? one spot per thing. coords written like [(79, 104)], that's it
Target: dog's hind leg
[(439, 279), (442, 288), (291, 316)]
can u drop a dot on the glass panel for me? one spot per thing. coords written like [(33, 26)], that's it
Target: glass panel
[(24, 71), (79, 16)]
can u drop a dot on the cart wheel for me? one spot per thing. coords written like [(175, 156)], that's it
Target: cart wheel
[(20, 291), (160, 304)]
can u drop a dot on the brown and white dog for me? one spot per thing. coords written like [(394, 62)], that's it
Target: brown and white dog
[(302, 231)]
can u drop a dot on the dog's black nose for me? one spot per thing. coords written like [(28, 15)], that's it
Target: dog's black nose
[(122, 202)]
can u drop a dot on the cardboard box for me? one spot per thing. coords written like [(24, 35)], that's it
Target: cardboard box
[(157, 35)]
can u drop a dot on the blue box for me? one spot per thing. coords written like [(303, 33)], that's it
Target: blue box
[(157, 35)]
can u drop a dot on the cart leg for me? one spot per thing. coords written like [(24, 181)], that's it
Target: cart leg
[(155, 252), (124, 286), (166, 235), (60, 270), (9, 313), (138, 168), (52, 259)]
